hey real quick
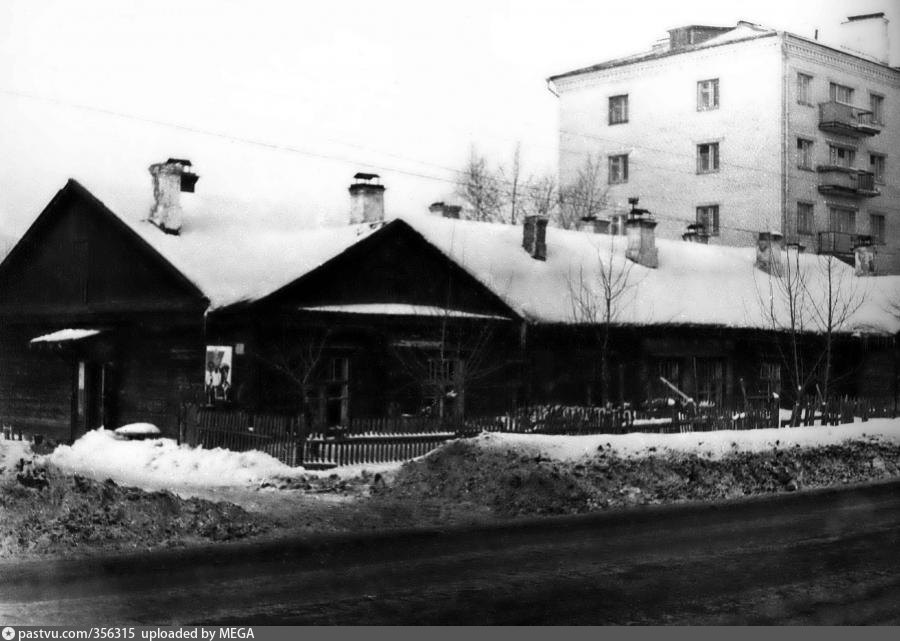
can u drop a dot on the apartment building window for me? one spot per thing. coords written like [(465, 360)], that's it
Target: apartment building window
[(805, 219), (804, 153), (842, 220), (876, 228), (841, 93), (707, 158), (618, 169), (804, 88), (876, 106), (618, 109), (876, 166), (708, 216), (708, 94), (839, 156)]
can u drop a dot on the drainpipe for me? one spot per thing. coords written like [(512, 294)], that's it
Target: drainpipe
[(785, 91)]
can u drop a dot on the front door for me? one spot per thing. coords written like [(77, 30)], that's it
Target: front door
[(91, 395)]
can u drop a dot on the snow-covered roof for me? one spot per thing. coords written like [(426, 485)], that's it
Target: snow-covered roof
[(695, 284), (233, 255), (64, 335), (400, 309), (232, 251)]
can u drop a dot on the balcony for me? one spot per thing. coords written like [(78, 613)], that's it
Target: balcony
[(838, 118), (846, 181), (841, 244)]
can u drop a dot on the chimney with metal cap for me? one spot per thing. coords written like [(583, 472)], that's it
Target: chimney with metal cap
[(170, 179), (366, 199), (640, 230)]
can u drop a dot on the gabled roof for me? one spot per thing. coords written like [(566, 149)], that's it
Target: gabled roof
[(232, 257), (695, 284)]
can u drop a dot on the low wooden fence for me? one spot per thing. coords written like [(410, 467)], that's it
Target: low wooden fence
[(383, 440)]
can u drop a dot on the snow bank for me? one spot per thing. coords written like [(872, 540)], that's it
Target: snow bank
[(710, 444), (162, 463)]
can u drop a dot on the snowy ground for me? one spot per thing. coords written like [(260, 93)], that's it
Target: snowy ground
[(163, 464), (708, 444)]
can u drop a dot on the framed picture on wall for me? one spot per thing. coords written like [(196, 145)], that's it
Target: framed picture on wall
[(218, 374)]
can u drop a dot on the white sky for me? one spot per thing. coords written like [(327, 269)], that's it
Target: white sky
[(402, 87)]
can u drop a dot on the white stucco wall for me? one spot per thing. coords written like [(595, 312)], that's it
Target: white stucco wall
[(665, 127), (826, 66)]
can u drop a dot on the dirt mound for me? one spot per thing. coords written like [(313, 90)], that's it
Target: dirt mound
[(510, 483), (66, 513)]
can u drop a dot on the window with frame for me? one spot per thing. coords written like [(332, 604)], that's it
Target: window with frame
[(337, 391), (876, 106), (708, 216), (669, 369), (804, 88), (876, 166), (770, 377), (877, 228), (707, 158), (842, 219), (618, 169), (708, 94), (710, 381), (804, 153), (444, 379), (618, 109), (839, 156), (840, 93), (805, 218)]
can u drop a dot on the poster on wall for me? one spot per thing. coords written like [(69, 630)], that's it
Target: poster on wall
[(218, 374)]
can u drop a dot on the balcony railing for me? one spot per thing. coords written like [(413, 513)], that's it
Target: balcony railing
[(838, 118), (841, 243), (847, 181)]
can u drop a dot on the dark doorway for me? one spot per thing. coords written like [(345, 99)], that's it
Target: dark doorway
[(91, 397)]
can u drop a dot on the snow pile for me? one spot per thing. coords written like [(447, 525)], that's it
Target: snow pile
[(66, 335), (162, 463), (708, 444), (138, 430)]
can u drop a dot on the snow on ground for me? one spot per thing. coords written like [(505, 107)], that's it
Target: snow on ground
[(162, 463), (710, 444)]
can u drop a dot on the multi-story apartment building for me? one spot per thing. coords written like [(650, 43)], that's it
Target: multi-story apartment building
[(748, 129)]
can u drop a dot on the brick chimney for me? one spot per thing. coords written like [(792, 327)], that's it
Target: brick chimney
[(768, 252), (366, 199), (534, 236), (640, 228), (864, 256), (445, 210), (170, 179)]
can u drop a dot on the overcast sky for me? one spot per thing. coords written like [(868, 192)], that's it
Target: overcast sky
[(98, 90)]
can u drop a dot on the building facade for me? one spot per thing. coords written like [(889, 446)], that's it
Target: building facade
[(743, 130)]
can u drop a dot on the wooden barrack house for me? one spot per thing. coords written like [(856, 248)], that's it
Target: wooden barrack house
[(111, 314)]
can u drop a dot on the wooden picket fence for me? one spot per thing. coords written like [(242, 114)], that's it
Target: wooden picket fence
[(384, 440)]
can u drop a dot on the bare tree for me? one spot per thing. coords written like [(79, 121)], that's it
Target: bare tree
[(481, 189), (598, 301), (512, 188), (584, 197), (834, 298), (542, 197), (808, 308)]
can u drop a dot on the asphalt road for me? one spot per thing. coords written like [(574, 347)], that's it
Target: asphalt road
[(822, 557)]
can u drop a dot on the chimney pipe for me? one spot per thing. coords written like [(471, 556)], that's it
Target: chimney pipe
[(534, 236), (170, 179), (696, 233), (768, 252), (594, 224), (640, 230), (366, 199)]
